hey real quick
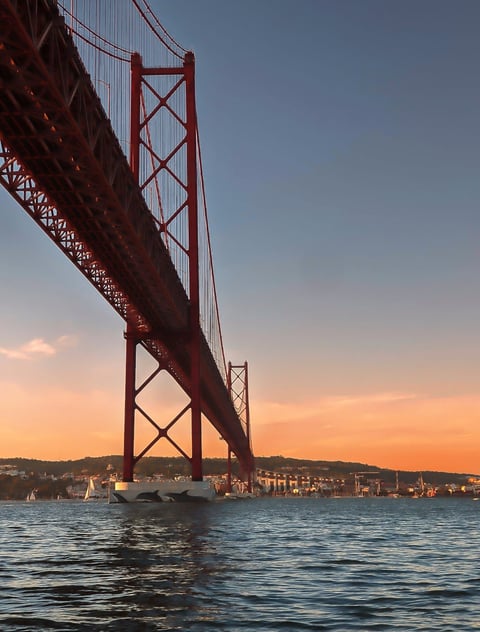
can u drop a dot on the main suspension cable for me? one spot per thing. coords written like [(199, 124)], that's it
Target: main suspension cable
[(210, 256), (96, 36), (156, 33), (162, 28)]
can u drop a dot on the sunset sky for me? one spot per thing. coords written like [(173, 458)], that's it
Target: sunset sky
[(341, 150)]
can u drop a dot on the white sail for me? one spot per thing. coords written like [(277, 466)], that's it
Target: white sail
[(92, 493)]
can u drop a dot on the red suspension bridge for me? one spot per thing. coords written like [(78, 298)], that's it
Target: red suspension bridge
[(82, 87)]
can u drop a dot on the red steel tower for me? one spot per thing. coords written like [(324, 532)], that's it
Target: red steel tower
[(184, 83)]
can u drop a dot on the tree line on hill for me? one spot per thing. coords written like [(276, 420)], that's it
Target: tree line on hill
[(178, 466)]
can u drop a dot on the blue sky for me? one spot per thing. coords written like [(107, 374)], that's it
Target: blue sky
[(341, 147), (340, 142)]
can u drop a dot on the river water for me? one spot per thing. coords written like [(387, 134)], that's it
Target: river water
[(267, 565)]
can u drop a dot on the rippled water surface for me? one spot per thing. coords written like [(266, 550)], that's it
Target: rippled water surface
[(267, 564)]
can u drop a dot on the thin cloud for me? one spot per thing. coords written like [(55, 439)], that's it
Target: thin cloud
[(293, 411), (375, 398), (13, 354), (67, 341), (38, 347)]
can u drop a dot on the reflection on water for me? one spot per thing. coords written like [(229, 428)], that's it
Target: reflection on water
[(164, 559), (271, 564)]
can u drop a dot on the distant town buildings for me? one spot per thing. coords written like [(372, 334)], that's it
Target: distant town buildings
[(16, 484)]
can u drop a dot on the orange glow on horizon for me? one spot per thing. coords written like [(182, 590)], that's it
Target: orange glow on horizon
[(393, 430)]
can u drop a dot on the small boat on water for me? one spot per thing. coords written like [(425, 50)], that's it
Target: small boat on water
[(92, 492)]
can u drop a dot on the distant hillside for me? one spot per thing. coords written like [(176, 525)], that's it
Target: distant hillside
[(344, 469), (172, 466)]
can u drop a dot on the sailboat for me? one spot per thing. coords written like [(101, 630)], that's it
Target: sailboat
[(92, 492), (31, 496)]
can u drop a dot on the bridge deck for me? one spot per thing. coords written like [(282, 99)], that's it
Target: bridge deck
[(54, 129)]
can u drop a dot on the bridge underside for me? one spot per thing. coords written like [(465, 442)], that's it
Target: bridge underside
[(61, 161)]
